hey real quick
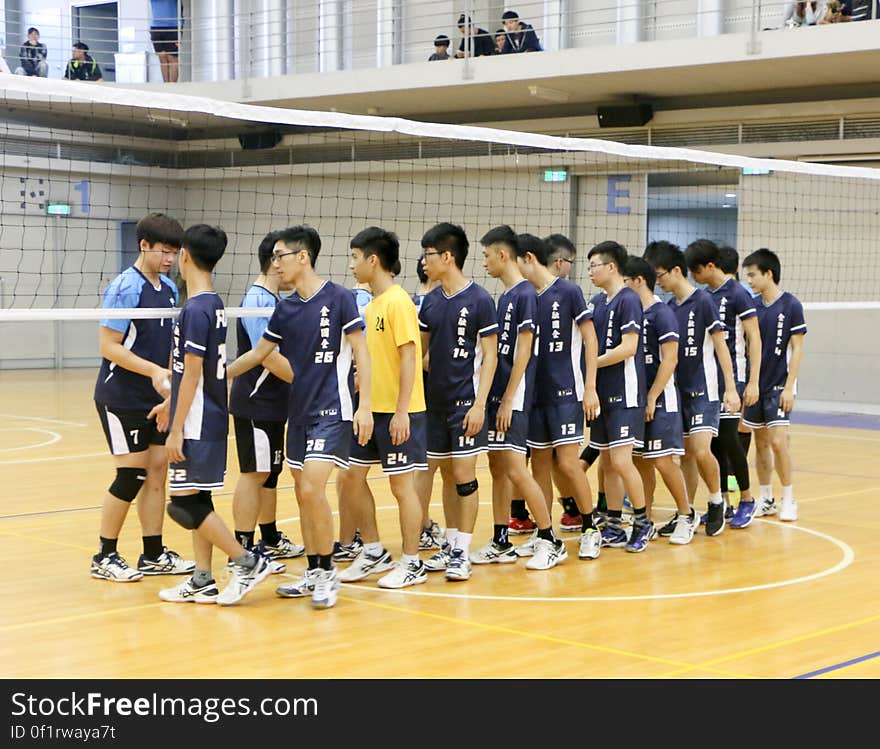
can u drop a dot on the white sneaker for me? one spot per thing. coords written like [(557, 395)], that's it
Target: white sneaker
[(284, 549), (765, 507), (788, 510), (186, 592), (244, 581), (114, 568), (528, 548), (547, 555), (428, 542), (326, 589), (168, 563), (299, 588), (590, 544), (685, 528), (492, 553), (403, 576), (458, 567), (364, 565), (437, 562)]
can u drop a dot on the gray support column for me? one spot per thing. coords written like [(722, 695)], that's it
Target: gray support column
[(629, 21), (329, 35), (269, 38), (555, 33), (389, 32), (710, 17), (213, 44)]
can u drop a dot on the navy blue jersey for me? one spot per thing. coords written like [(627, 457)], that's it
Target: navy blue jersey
[(697, 319), (659, 327), (311, 334), (778, 322), (201, 330), (517, 311), (257, 394), (148, 339), (456, 324), (623, 383), (735, 304), (559, 375)]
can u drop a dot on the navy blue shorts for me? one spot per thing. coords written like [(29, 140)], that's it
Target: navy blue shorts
[(128, 431), (767, 412), (203, 469), (699, 414), (410, 456), (617, 427), (740, 389), (550, 426), (663, 435), (514, 438), (259, 444), (328, 440), (446, 438)]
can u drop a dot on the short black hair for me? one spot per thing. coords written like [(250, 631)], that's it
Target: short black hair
[(441, 40), (461, 20), (81, 45), (667, 256), (31, 30), (660, 245), (205, 245), (765, 260), (509, 15), (728, 259), (611, 250), (559, 243), (265, 250), (385, 245), (157, 227), (701, 252), (303, 235), (446, 237), (638, 266), (501, 235), (538, 247), (420, 270)]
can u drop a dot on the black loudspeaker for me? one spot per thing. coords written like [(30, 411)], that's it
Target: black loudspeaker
[(628, 115), (268, 139)]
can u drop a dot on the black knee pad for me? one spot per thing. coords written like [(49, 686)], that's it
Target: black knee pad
[(465, 490), (271, 481), (128, 483), (589, 455), (190, 512)]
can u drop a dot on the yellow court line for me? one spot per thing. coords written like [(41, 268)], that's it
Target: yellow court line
[(45, 540), (545, 638), (79, 617), (775, 645)]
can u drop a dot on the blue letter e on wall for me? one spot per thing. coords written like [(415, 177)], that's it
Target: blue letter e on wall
[(618, 189)]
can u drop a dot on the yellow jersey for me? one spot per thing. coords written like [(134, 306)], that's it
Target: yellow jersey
[(392, 321)]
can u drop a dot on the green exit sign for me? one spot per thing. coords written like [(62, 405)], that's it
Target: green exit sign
[(58, 209), (555, 175)]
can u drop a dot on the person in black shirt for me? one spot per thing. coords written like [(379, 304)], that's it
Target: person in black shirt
[(521, 37), (33, 56), (479, 41), (82, 67)]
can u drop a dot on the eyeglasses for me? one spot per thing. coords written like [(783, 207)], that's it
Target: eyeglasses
[(566, 260), (591, 266), (661, 274), (425, 254), (276, 256)]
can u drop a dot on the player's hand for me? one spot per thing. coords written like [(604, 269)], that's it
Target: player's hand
[(731, 401), (750, 395), (505, 416), (174, 447), (363, 426), (650, 406), (591, 404), (161, 379), (786, 400), (399, 428), (162, 412), (473, 420)]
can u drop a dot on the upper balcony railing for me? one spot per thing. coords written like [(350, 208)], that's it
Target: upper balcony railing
[(219, 40)]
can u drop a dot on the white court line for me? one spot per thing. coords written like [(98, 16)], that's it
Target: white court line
[(53, 438), (846, 560), (836, 436), (57, 457), (40, 418)]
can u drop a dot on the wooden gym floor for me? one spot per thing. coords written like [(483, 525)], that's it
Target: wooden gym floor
[(772, 601)]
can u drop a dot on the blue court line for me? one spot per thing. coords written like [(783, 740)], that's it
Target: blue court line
[(838, 666)]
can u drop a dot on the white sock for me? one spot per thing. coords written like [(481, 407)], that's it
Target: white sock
[(373, 549), (407, 559), (767, 491), (451, 536), (463, 542), (715, 499), (788, 492)]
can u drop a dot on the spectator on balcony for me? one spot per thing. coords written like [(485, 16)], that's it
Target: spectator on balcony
[(798, 14), (856, 10), (82, 67), (833, 13), (441, 48), (164, 33), (500, 39), (33, 56), (479, 40), (521, 37)]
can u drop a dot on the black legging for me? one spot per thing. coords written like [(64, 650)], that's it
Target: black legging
[(729, 453)]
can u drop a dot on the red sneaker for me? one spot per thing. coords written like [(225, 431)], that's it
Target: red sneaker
[(516, 527), (570, 522)]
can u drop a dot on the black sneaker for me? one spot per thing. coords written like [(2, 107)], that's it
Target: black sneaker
[(666, 530), (715, 519)]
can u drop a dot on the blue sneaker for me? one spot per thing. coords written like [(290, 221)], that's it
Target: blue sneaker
[(614, 536), (641, 535), (745, 511), (627, 505)]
